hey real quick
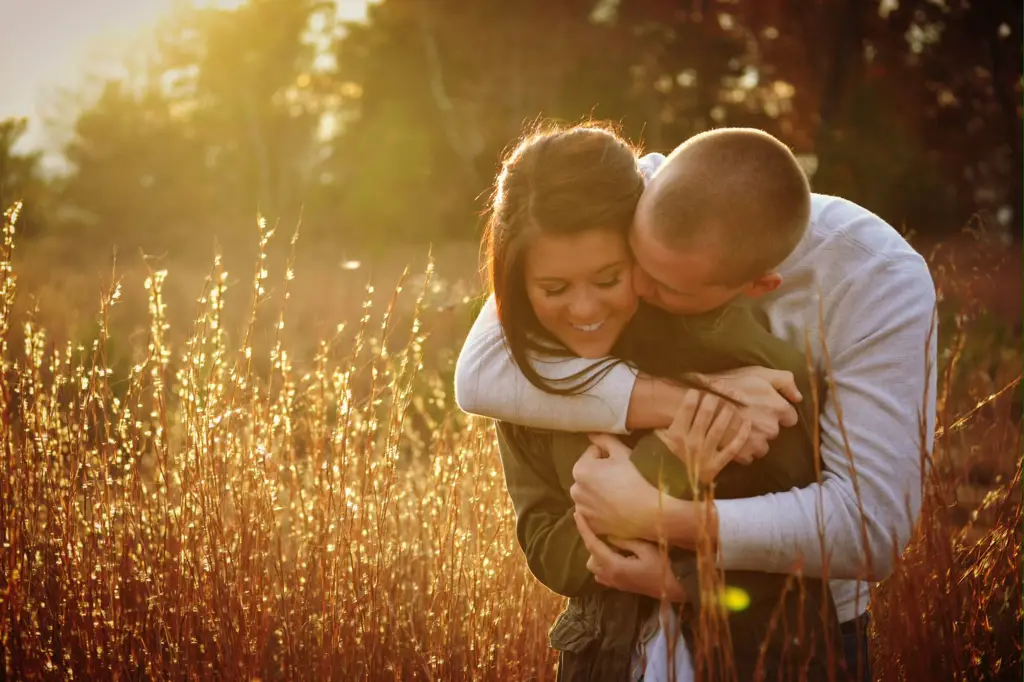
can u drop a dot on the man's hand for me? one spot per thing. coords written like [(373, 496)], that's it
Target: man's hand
[(611, 493), (645, 571), (767, 395), (697, 435)]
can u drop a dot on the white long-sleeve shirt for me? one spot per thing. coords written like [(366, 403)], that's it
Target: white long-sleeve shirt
[(877, 303)]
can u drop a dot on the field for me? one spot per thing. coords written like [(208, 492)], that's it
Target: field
[(242, 488)]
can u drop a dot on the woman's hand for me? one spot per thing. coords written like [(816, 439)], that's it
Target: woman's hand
[(699, 436), (767, 396), (645, 571)]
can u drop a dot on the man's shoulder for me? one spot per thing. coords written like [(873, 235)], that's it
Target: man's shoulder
[(853, 235), (849, 255)]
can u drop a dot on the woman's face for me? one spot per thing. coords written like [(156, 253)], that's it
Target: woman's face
[(581, 288)]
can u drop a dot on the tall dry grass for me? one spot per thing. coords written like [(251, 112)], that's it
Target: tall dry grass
[(224, 511)]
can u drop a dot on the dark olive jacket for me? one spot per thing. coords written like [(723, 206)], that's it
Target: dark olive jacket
[(596, 632)]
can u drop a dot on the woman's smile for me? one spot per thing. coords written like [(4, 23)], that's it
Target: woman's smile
[(581, 289)]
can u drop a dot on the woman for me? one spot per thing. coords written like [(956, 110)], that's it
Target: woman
[(560, 270)]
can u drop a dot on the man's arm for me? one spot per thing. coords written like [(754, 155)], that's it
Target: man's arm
[(489, 383), (881, 403), (879, 408)]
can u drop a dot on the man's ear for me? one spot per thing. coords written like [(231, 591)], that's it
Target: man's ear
[(765, 284)]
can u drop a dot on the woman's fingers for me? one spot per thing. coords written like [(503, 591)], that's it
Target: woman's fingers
[(734, 446), (599, 551), (630, 545), (705, 413), (785, 383), (725, 456), (716, 432), (593, 452), (679, 430)]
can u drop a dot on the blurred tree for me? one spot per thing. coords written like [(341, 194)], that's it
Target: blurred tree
[(912, 108), (392, 129), (220, 125), (243, 78), (965, 60), (434, 91), (691, 67), (137, 175), (21, 178)]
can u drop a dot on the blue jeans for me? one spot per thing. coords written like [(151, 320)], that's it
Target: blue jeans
[(855, 646)]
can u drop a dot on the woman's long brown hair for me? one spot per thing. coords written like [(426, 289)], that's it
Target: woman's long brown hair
[(562, 181)]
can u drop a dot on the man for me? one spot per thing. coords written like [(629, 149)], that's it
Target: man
[(728, 215)]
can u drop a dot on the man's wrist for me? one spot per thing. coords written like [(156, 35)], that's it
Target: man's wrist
[(685, 523)]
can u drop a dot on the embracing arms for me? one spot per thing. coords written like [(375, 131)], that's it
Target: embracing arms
[(488, 383), (877, 419), (878, 414), (564, 556)]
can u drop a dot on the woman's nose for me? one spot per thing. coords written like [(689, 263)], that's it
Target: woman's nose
[(584, 307)]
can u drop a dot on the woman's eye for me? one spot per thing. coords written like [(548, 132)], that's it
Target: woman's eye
[(608, 284), (555, 292)]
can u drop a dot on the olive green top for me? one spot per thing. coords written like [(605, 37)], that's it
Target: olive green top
[(596, 632)]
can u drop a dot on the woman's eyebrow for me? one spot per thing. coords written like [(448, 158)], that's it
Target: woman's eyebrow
[(617, 263)]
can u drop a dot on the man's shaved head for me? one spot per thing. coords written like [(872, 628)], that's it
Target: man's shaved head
[(738, 193)]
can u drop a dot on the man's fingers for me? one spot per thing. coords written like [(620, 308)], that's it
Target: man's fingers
[(767, 423), (589, 539), (756, 447), (784, 382), (589, 456), (578, 495), (788, 416)]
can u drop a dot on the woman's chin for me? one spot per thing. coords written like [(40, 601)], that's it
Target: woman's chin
[(591, 351)]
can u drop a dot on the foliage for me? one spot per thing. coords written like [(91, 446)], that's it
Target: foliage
[(225, 510), (391, 129), (21, 176)]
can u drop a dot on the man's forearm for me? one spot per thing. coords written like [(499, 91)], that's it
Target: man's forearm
[(877, 422), (685, 523), (489, 383)]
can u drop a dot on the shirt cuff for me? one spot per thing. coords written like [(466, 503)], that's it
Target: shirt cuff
[(615, 390)]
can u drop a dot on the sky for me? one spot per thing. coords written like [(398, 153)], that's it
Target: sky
[(49, 45)]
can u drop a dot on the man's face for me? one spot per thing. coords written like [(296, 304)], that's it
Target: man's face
[(680, 282)]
